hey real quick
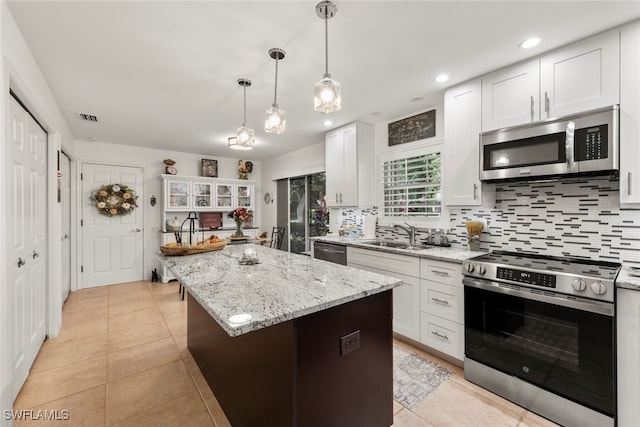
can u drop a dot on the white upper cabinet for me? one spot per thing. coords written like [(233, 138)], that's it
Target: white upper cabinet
[(510, 96), (462, 113), (582, 76), (579, 77), (186, 194), (630, 114), (349, 166)]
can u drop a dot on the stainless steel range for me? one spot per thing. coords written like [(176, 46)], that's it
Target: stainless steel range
[(540, 331)]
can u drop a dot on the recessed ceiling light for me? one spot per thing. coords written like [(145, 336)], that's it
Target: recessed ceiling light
[(529, 43), (417, 99), (327, 123), (440, 78)]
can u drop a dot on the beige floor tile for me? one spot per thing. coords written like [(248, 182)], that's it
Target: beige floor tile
[(72, 318), (397, 407), (177, 325), (533, 420), (181, 342), (212, 404), (158, 288), (55, 353), (83, 330), (89, 293), (86, 408), (135, 318), (125, 297), (137, 335), (139, 393), (187, 410), (456, 406), (54, 384), (127, 306), (127, 288), (173, 309), (140, 358), (406, 418), (71, 306)]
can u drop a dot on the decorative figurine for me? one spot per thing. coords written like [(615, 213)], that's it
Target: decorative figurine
[(245, 167), (169, 168)]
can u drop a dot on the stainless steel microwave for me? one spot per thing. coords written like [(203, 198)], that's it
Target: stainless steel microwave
[(579, 144)]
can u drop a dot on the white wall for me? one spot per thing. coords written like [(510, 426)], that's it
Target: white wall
[(20, 72), (303, 161), (150, 160)]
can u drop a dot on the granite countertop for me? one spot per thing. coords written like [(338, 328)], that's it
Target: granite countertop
[(628, 278), (282, 287), (457, 255)]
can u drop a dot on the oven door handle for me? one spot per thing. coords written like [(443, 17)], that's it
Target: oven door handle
[(598, 307)]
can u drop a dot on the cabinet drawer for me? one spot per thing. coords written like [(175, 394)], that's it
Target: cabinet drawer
[(442, 300), (393, 263), (448, 273), (443, 335)]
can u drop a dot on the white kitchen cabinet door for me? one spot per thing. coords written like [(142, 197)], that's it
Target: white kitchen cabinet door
[(224, 196), (177, 195), (201, 196), (630, 114), (582, 76), (628, 331), (349, 166), (510, 96), (461, 168), (244, 196)]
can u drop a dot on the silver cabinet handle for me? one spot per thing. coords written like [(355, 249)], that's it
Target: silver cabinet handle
[(336, 197), (35, 254), (628, 183), (532, 110), (571, 127), (340, 197), (440, 273), (475, 191), (439, 335), (546, 104), (21, 262), (440, 301)]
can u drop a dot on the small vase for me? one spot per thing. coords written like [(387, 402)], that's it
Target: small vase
[(474, 243), (239, 232)]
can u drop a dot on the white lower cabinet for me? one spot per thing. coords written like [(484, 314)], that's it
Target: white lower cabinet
[(442, 307), (406, 298), (628, 326)]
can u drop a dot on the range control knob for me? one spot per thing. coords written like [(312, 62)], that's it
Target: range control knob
[(481, 269), (578, 285), (598, 288), (469, 267)]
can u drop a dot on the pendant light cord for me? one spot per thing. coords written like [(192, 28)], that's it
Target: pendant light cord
[(326, 43), (275, 91), (244, 118)]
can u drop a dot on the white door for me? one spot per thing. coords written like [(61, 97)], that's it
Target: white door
[(27, 239), (65, 222), (112, 246)]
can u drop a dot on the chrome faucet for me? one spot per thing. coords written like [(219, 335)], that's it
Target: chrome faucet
[(409, 229)]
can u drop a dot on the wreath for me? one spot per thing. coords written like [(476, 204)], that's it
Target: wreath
[(115, 199)]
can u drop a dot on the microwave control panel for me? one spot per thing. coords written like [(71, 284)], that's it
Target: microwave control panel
[(591, 143)]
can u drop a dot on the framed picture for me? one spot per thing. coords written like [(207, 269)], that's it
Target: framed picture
[(210, 168), (413, 128)]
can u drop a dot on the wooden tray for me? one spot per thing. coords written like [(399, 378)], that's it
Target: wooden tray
[(196, 249)]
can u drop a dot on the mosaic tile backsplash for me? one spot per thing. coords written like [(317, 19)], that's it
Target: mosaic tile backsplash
[(573, 218)]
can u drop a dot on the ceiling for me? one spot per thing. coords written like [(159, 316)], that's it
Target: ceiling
[(163, 74)]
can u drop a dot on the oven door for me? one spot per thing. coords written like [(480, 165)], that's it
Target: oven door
[(563, 345)]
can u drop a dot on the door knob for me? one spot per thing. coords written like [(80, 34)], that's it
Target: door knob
[(137, 230), (35, 254), (66, 236), (21, 262)]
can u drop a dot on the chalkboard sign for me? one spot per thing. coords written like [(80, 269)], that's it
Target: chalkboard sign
[(413, 128)]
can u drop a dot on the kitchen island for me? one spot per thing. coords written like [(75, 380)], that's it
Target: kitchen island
[(291, 341)]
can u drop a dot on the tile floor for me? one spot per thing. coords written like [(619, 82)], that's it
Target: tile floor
[(121, 360)]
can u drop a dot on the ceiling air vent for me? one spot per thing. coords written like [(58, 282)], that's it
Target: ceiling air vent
[(87, 117)]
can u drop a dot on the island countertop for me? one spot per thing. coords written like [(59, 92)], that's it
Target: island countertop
[(282, 287)]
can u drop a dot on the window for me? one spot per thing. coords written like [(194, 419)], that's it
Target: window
[(411, 186)]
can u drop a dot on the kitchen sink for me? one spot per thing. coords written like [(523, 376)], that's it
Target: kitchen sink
[(398, 245)]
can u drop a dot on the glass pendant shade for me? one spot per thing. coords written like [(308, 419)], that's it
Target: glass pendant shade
[(276, 120), (327, 97), (244, 135), (235, 145)]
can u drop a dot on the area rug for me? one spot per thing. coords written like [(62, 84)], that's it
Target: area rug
[(415, 377)]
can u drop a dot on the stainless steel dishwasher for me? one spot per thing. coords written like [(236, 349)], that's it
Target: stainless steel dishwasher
[(330, 252)]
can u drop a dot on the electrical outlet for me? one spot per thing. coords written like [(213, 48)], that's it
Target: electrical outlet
[(349, 343)]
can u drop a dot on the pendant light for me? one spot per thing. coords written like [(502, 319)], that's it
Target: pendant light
[(327, 91), (275, 120), (244, 136)]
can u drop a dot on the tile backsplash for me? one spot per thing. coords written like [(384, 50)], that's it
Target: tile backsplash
[(566, 218)]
